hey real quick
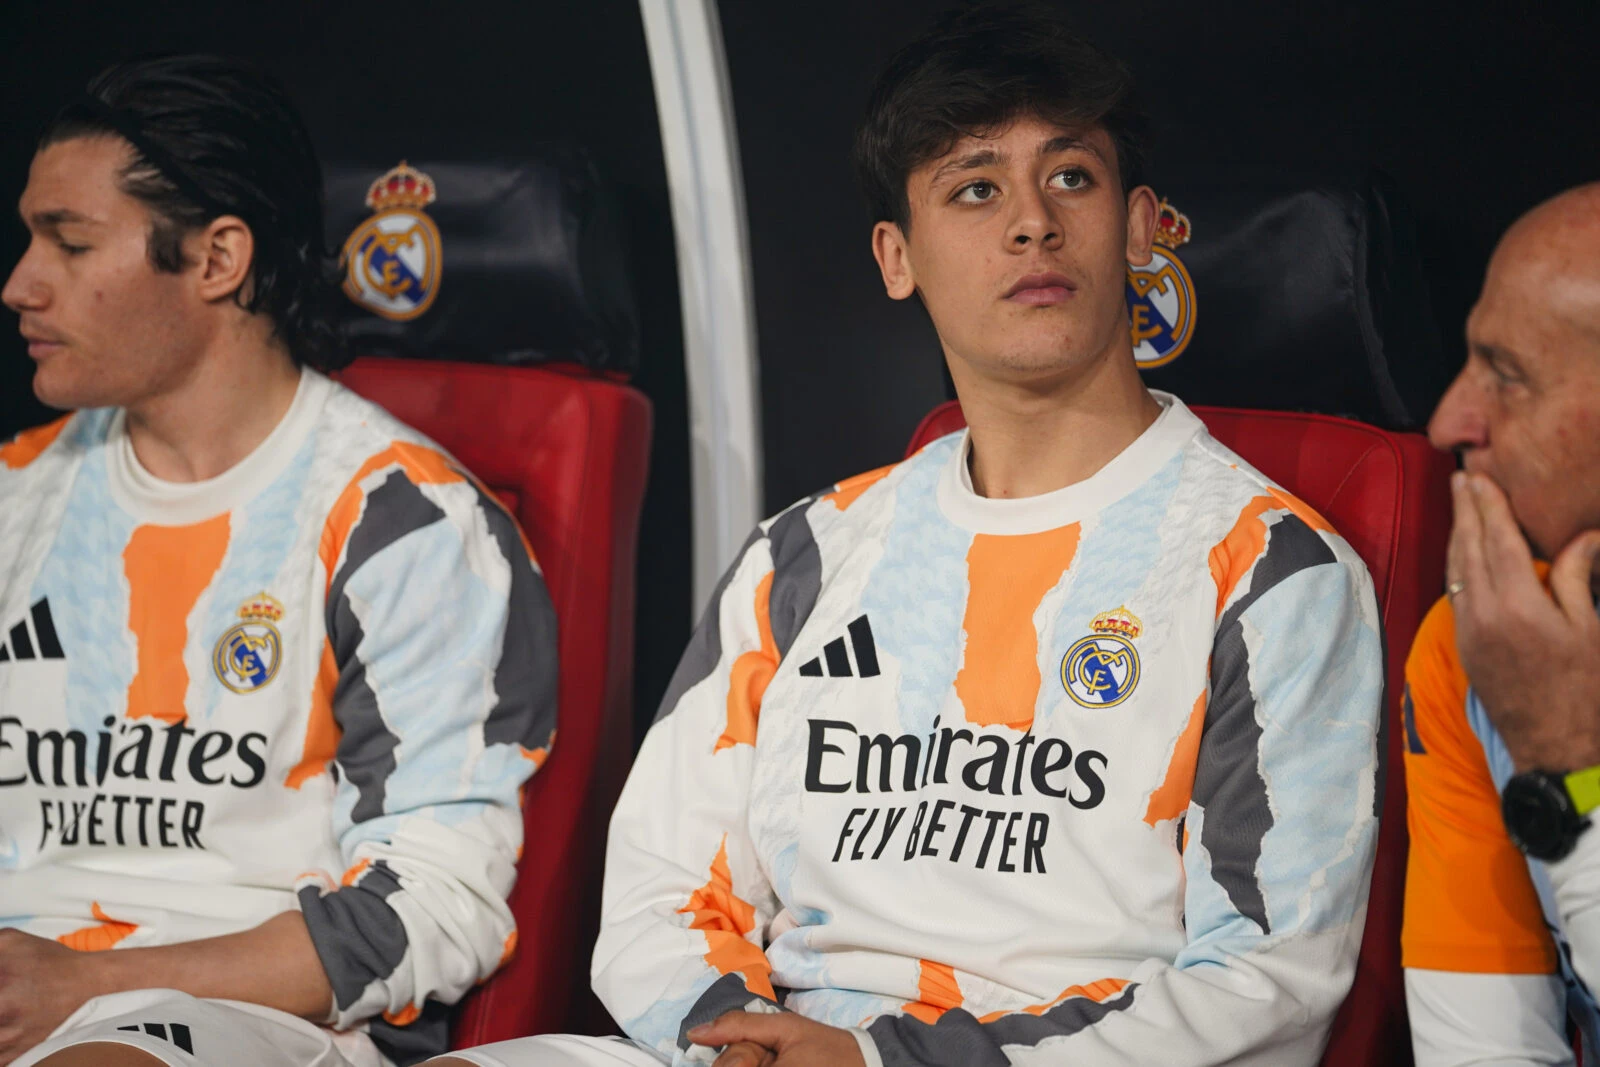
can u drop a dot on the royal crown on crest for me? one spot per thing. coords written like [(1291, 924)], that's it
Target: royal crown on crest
[(261, 608), (1172, 226), (404, 186), (1121, 622)]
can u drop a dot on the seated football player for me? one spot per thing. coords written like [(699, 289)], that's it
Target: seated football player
[(1056, 742), (1502, 916), (273, 667)]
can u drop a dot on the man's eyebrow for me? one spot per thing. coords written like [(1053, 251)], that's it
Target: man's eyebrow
[(1496, 354), (984, 157), (1065, 143), (56, 218)]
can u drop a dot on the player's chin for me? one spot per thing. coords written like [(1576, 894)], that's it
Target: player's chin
[(61, 381)]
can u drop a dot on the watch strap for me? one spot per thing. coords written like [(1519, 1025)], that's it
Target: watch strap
[(1584, 789)]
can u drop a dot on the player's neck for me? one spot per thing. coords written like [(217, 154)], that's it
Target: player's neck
[(217, 415), (1031, 439)]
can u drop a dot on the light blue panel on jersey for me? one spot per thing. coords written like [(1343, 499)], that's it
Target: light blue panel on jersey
[(1113, 562), (88, 590), (658, 1027), (843, 1008), (433, 634), (264, 533), (916, 595), (1217, 932), (1318, 693)]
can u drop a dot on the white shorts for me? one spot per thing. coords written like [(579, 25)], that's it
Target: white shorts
[(561, 1050), (184, 1031)]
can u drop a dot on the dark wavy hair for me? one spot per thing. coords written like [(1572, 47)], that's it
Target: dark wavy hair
[(976, 70), (215, 136)]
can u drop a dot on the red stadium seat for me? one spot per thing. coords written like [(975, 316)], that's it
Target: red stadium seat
[(1388, 494), (568, 452)]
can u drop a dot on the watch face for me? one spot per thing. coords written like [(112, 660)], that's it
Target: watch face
[(1536, 817)]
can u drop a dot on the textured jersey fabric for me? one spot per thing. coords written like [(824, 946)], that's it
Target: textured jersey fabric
[(1474, 903), (317, 681), (1090, 776)]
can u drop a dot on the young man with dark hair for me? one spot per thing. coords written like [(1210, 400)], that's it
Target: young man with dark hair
[(1056, 743), (273, 667)]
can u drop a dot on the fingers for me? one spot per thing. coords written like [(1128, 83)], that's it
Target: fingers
[(1506, 552), (1464, 557), (1571, 578), (745, 1054), (760, 1028)]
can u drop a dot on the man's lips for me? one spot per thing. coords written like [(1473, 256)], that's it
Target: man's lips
[(41, 344), (1041, 289)]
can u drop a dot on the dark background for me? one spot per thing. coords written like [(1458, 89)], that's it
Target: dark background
[(1478, 111)]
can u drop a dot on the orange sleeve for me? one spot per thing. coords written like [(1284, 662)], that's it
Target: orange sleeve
[(1470, 904)]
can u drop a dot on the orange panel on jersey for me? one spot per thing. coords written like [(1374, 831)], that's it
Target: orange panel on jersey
[(1171, 798), (1233, 557), (937, 989), (1007, 577), (404, 1017), (751, 673), (322, 730), (98, 938), (849, 491), (422, 465), (1470, 903), (168, 567), (1100, 991), (725, 919), (28, 445), (353, 875)]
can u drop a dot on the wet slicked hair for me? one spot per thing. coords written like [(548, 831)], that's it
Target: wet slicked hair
[(973, 73), (215, 136)]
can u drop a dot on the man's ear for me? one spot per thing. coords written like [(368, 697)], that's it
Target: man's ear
[(890, 249), (1144, 211), (224, 250)]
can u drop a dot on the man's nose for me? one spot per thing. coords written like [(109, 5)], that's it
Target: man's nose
[(25, 290), (1033, 221), (1460, 421)]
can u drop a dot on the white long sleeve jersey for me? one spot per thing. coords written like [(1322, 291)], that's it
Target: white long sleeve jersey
[(1088, 777), (317, 681)]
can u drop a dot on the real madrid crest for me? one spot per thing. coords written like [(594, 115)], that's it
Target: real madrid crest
[(1102, 670), (392, 260), (247, 656), (1161, 303)]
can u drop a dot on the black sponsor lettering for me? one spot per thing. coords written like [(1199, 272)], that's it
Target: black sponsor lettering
[(193, 812), (890, 821), (140, 750), (844, 831), (1022, 759), (70, 826), (45, 825), (120, 802), (169, 755), (1007, 842), (1045, 764), (885, 746), (9, 720), (252, 759), (1033, 850), (204, 752), (934, 827), (820, 746), (164, 821), (856, 851), (58, 741), (994, 818), (968, 813), (94, 820), (994, 763), (143, 804), (948, 737), (916, 830), (1090, 778), (102, 752), (927, 755)]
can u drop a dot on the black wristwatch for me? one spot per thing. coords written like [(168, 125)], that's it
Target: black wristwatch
[(1545, 813)]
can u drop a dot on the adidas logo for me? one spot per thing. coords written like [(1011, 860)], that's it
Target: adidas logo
[(37, 641), (838, 659), (179, 1036)]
